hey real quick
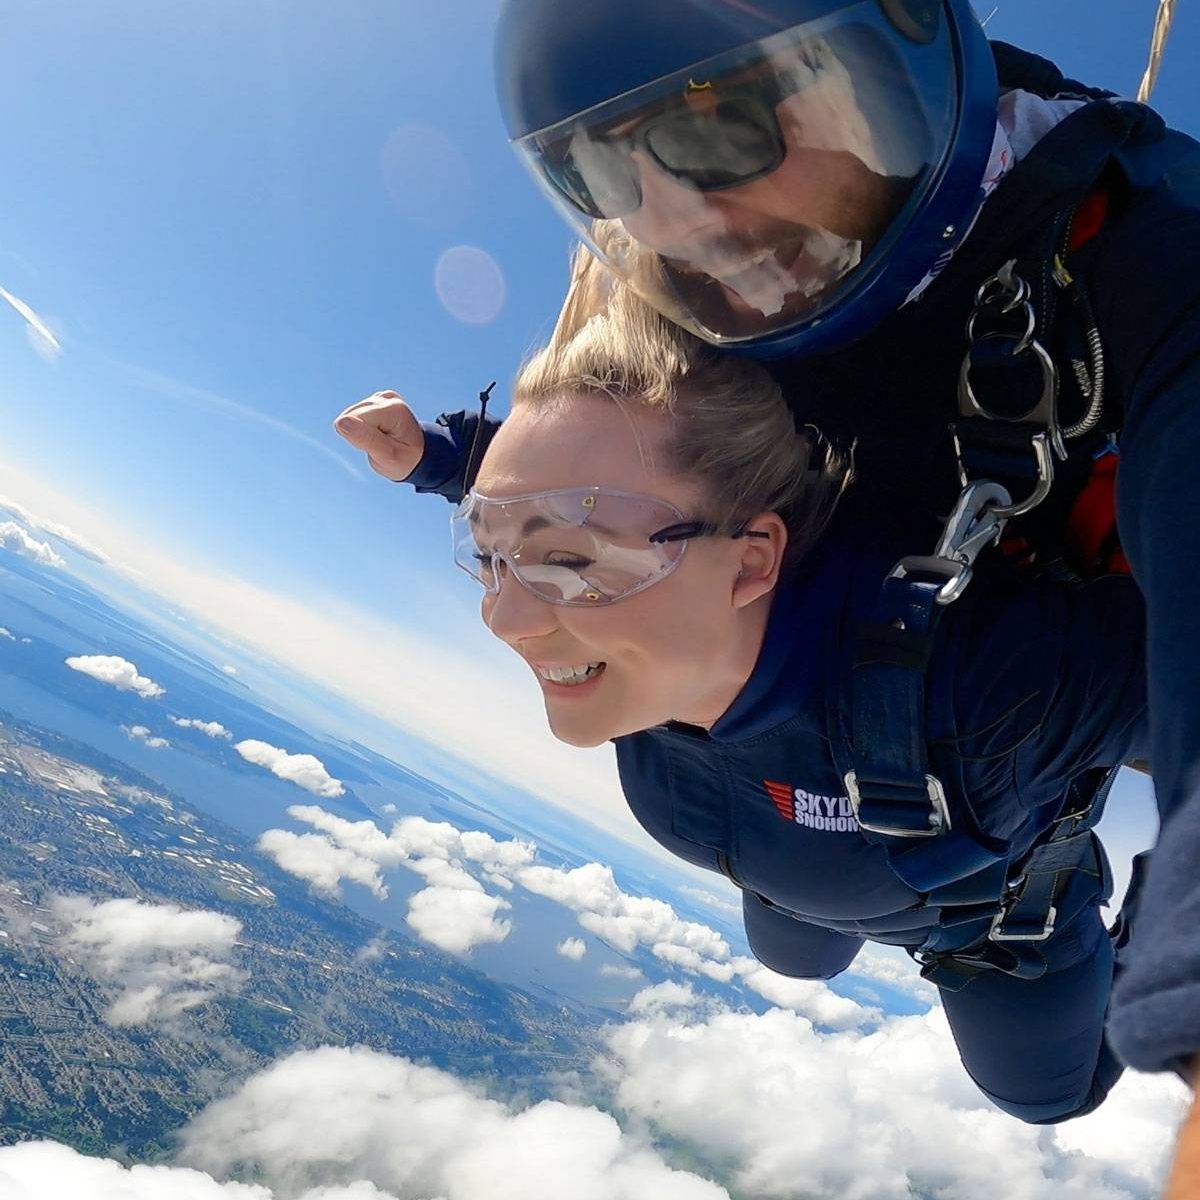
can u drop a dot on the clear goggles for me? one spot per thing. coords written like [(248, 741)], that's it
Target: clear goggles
[(577, 546), (749, 193)]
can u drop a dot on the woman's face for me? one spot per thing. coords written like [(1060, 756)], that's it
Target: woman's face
[(680, 649)]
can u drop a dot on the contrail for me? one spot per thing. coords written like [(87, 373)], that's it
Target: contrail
[(165, 385), (35, 322), (242, 413)]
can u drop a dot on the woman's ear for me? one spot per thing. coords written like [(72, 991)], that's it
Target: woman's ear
[(763, 542)]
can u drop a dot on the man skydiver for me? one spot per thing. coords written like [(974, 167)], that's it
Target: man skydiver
[(830, 186)]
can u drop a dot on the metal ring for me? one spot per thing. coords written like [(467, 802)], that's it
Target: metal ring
[(1042, 412), (1024, 340)]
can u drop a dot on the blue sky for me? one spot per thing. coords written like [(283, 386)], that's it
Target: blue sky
[(230, 215)]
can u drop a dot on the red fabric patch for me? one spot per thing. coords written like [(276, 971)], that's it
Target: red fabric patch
[(1091, 540), (1089, 218)]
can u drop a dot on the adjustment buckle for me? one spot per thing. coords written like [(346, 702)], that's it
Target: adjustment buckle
[(1043, 457), (998, 931), (939, 811)]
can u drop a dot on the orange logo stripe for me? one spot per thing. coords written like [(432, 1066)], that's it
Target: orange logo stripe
[(782, 797)]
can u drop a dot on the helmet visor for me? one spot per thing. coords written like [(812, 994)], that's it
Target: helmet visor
[(579, 546), (750, 193)]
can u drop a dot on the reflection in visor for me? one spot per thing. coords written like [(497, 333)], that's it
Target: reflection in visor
[(754, 192), (577, 546)]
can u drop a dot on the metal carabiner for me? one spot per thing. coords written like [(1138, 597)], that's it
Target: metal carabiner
[(976, 522)]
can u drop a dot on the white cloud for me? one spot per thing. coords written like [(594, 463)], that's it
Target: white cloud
[(142, 734), (14, 537), (457, 919), (161, 959), (891, 966), (454, 912), (809, 997), (41, 337), (316, 859), (666, 997), (229, 670), (5, 633), (55, 529), (331, 1116), (213, 729), (494, 855), (886, 1114), (622, 920), (50, 1171), (707, 898), (572, 948), (373, 950), (304, 770), (618, 971), (116, 672)]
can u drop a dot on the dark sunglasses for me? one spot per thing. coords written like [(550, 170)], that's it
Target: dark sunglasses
[(735, 141)]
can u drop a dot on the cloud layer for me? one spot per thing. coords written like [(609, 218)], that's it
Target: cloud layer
[(761, 1107), (55, 529), (455, 912), (14, 537), (330, 1116), (882, 1114)]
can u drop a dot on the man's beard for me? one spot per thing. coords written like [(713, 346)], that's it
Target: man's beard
[(737, 285)]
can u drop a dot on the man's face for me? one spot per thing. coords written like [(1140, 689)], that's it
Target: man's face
[(774, 245)]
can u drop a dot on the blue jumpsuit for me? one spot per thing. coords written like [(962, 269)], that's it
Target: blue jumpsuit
[(894, 392), (1022, 699)]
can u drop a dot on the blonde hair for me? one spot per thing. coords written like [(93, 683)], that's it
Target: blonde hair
[(732, 430)]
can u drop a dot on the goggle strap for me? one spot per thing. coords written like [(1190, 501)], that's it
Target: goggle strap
[(477, 441), (685, 530)]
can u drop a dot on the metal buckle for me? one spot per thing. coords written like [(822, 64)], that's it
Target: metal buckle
[(1039, 444), (939, 812), (997, 933), (956, 575), (977, 520)]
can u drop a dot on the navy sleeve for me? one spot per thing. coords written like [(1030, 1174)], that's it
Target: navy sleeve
[(1146, 290), (447, 447), (1155, 1019)]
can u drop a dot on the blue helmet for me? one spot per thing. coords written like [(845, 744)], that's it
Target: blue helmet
[(775, 175)]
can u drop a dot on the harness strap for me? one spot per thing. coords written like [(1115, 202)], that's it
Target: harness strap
[(1049, 886), (995, 911), (898, 802)]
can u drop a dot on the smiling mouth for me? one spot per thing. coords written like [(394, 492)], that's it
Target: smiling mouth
[(570, 676)]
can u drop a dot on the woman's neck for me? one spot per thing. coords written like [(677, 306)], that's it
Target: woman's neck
[(731, 674)]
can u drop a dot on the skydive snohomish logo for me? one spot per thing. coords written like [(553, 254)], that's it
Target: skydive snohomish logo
[(830, 814)]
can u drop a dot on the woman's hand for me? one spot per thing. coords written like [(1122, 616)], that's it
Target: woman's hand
[(384, 428)]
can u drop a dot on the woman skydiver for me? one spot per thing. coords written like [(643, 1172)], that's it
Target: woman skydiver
[(666, 543)]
